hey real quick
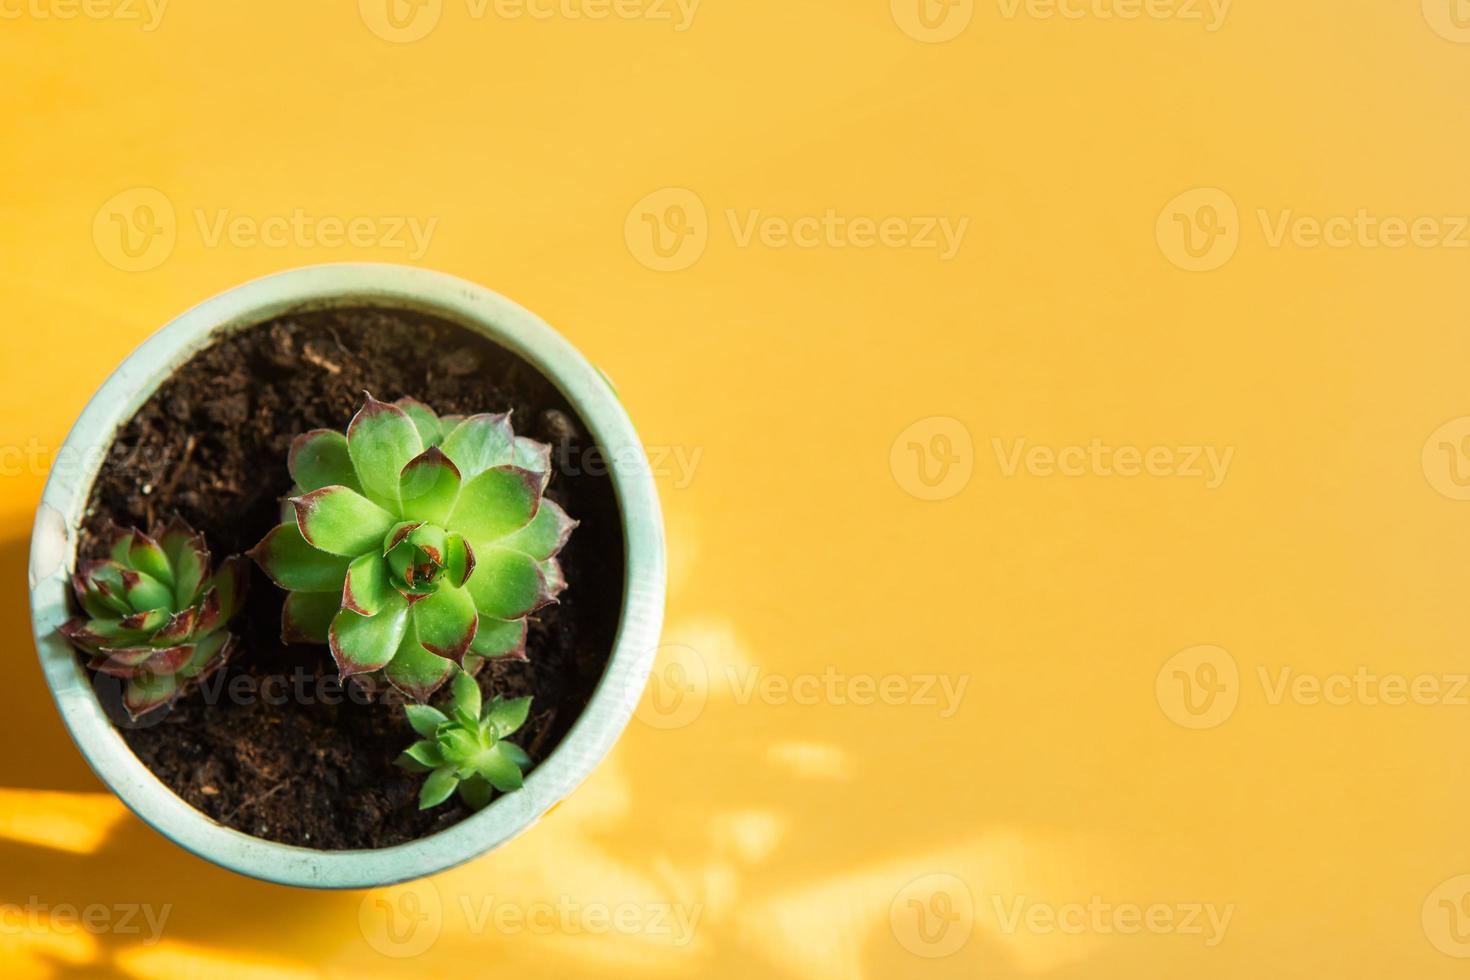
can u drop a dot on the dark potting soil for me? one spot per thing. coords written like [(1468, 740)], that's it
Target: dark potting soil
[(272, 745)]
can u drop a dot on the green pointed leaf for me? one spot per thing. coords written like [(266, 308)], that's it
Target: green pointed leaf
[(295, 565), (545, 535), (551, 573), (367, 589), (190, 575), (119, 543), (498, 770), (341, 521), (94, 603), (209, 655), (475, 792), (446, 622), (319, 458), (188, 559), (136, 550), (93, 635), (437, 787), (428, 487), (459, 559), (143, 591), (415, 671), (431, 429), (458, 746), (96, 574), (363, 643), (506, 584), (231, 582), (508, 715), (307, 616), (149, 693), (515, 754), (381, 440), (401, 561), (136, 661), (467, 694), (178, 629), (146, 623), (209, 614), (431, 540), (498, 502), (421, 757), (399, 533), (500, 638), (480, 442), (101, 583), (534, 456), (424, 719)]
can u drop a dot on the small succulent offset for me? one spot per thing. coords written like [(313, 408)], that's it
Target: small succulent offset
[(154, 615), (416, 543), (467, 748)]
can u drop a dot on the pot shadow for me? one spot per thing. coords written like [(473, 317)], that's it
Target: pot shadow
[(66, 840)]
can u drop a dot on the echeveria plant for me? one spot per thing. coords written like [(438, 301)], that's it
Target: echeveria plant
[(467, 748), (154, 615), (416, 543)]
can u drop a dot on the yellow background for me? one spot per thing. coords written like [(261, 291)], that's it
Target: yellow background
[(797, 830)]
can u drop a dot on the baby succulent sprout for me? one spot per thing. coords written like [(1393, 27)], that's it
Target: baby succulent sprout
[(154, 615), (415, 544), (467, 748)]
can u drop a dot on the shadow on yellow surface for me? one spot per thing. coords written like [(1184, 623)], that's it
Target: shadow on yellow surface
[(71, 850), (782, 868)]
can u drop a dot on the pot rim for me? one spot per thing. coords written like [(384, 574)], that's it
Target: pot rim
[(474, 307)]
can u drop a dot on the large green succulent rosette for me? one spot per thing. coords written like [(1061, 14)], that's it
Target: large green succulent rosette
[(414, 544)]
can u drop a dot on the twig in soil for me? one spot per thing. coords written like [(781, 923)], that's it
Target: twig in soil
[(173, 478), (331, 367), (178, 469), (255, 802), (338, 341)]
